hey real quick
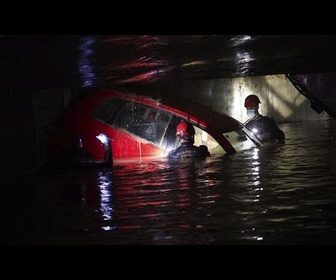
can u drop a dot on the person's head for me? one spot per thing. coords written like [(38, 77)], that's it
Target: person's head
[(252, 105), (185, 132)]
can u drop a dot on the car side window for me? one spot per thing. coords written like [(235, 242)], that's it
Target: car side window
[(143, 121), (107, 110)]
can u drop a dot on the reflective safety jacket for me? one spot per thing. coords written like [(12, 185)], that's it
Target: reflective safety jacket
[(189, 151), (265, 129)]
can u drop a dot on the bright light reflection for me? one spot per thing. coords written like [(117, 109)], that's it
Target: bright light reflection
[(256, 168), (143, 77), (109, 228), (102, 138), (106, 206), (240, 39), (255, 154), (243, 60), (244, 57), (193, 63), (256, 183), (86, 61)]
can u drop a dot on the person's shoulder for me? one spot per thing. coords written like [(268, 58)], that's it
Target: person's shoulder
[(172, 153), (203, 147), (267, 119), (204, 150)]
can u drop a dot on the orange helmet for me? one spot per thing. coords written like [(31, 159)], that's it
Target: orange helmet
[(252, 101), (185, 130)]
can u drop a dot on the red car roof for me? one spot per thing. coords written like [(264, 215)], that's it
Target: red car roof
[(195, 112)]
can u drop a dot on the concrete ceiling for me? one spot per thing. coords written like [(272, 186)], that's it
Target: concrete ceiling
[(52, 61)]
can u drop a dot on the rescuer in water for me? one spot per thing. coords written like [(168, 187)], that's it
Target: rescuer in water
[(263, 127), (185, 133)]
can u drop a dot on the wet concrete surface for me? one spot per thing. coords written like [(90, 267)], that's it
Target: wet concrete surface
[(54, 61)]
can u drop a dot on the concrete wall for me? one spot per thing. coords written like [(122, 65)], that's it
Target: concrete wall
[(279, 98)]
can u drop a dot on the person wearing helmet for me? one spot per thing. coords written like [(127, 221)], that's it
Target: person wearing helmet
[(263, 127), (185, 133)]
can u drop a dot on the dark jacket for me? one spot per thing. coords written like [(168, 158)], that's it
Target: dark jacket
[(265, 129), (189, 151)]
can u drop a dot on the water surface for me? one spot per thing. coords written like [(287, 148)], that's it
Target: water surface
[(280, 195)]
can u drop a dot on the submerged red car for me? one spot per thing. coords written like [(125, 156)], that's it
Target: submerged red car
[(112, 126)]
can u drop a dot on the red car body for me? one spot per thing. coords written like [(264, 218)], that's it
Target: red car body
[(139, 126)]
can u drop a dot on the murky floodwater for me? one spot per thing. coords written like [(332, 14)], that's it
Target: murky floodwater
[(271, 195)]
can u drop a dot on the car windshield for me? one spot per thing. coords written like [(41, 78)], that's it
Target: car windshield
[(143, 121)]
